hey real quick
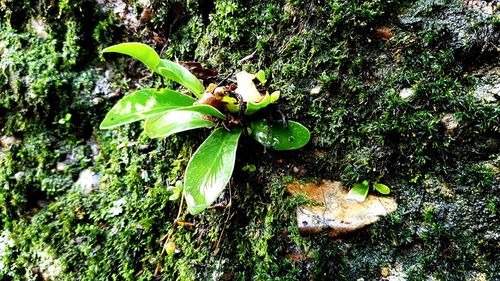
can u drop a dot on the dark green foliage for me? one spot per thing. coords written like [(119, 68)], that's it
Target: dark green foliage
[(446, 226)]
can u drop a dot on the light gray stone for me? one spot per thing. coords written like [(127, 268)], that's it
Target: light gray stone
[(88, 181), (336, 214), (406, 93)]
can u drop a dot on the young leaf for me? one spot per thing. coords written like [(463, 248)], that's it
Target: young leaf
[(175, 121), (210, 169), (382, 188), (139, 51), (253, 107), (176, 72), (143, 104), (294, 137), (275, 96), (358, 191), (261, 75)]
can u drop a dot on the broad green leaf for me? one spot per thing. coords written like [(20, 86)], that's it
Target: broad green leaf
[(175, 121), (210, 169), (382, 188), (143, 104), (178, 73), (358, 191), (139, 51), (205, 109), (166, 68), (294, 137)]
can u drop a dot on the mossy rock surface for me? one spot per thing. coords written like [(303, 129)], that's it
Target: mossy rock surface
[(385, 74)]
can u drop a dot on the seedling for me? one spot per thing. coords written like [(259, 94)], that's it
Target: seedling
[(226, 108), (359, 191)]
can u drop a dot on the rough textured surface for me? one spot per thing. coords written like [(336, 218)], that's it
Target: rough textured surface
[(55, 89), (333, 212)]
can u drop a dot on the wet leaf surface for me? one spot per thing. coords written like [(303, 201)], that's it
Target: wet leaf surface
[(143, 104), (174, 71), (175, 121), (168, 69), (293, 137), (210, 169), (139, 51), (358, 191), (382, 188)]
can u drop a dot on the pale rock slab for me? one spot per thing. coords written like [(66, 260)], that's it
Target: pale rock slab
[(335, 213)]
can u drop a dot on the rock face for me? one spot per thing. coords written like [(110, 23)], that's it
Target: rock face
[(389, 72), (337, 214), (450, 123), (488, 88)]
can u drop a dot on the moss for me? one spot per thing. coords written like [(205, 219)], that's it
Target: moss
[(362, 129)]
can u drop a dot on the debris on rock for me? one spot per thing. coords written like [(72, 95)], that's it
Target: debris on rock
[(439, 187), (123, 12), (482, 6), (406, 93), (488, 87), (8, 141), (144, 3), (117, 208), (450, 123), (393, 273), (316, 91), (39, 27), (146, 15), (335, 213), (297, 257), (384, 32)]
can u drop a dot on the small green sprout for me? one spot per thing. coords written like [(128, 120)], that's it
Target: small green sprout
[(249, 168), (175, 191), (359, 191), (229, 109)]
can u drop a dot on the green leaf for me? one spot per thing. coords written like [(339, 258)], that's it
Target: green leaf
[(139, 51), (252, 107), (250, 168), (210, 169), (175, 121), (382, 188), (178, 73), (143, 104), (261, 75), (358, 191), (174, 196), (165, 68), (295, 137), (205, 109)]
